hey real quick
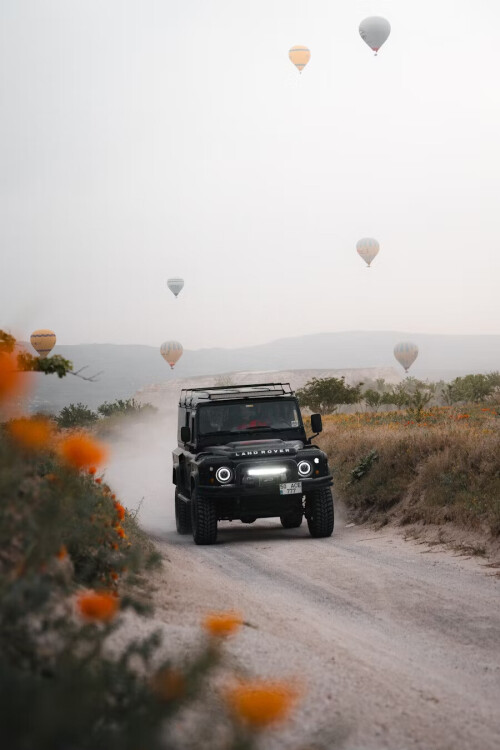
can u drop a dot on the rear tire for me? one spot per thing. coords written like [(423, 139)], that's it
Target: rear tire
[(291, 520), (203, 519), (182, 515), (319, 512)]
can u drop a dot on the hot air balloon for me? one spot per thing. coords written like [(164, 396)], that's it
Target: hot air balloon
[(406, 354), (374, 31), (368, 249), (171, 351), (175, 285), (300, 56), (43, 341)]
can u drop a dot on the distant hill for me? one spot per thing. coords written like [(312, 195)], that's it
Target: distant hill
[(128, 368)]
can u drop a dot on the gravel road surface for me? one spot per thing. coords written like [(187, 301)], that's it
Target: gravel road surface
[(397, 644)]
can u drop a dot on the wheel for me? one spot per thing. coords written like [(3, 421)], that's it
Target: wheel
[(319, 512), (203, 520), (182, 515), (292, 520)]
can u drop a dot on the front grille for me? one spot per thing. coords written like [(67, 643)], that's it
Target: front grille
[(245, 478)]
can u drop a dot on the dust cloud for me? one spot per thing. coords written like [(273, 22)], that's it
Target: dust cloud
[(140, 468)]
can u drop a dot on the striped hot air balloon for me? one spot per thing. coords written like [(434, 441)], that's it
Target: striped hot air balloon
[(406, 354), (175, 285), (300, 56), (171, 351), (368, 249), (43, 341)]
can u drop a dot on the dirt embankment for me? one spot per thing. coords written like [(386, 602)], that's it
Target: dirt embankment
[(439, 479)]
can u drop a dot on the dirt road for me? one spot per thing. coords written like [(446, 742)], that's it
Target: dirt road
[(397, 644)]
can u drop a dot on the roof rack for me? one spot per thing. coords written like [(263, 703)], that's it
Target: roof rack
[(189, 396)]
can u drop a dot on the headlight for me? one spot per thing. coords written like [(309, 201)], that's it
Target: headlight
[(305, 468), (223, 474)]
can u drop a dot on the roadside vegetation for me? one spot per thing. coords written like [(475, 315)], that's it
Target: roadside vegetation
[(74, 568), (417, 452), (436, 466)]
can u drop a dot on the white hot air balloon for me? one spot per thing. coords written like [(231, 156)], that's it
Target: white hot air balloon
[(175, 285), (374, 31), (171, 351), (406, 354), (367, 248)]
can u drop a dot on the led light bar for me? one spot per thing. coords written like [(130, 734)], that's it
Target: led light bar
[(266, 471)]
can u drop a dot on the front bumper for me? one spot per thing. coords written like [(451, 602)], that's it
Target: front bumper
[(271, 489)]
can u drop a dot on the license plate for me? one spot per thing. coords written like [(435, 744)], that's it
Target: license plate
[(291, 488)]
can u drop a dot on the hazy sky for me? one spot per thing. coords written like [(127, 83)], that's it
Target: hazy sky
[(142, 139)]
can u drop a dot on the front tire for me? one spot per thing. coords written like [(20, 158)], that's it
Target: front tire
[(182, 515), (203, 519), (319, 512), (291, 520)]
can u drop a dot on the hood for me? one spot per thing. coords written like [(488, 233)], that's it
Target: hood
[(256, 448)]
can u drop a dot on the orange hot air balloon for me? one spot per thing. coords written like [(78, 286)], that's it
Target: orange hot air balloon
[(43, 341), (300, 56), (171, 351)]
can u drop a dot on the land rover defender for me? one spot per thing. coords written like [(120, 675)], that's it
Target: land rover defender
[(243, 454)]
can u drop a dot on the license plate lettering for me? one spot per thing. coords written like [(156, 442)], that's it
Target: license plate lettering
[(291, 488)]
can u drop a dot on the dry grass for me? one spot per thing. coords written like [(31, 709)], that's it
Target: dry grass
[(443, 469)]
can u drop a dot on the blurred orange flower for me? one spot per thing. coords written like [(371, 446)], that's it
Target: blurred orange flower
[(92, 470), (168, 684), (97, 607), (222, 624), (80, 451), (260, 703), (63, 552), (121, 532), (33, 434), (120, 510), (11, 380)]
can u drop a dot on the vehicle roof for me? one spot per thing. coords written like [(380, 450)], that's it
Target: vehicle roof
[(193, 396)]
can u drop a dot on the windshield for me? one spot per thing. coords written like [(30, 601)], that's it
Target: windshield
[(268, 415)]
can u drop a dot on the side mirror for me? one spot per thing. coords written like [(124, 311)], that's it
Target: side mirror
[(185, 434), (316, 423)]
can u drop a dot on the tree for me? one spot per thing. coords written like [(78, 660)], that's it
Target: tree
[(372, 398), (76, 415), (127, 406), (325, 394), (472, 388)]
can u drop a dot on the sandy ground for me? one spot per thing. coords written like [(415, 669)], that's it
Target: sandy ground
[(397, 643)]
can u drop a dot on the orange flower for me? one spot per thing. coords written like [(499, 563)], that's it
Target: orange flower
[(121, 532), (260, 703), (97, 607), (120, 510), (81, 451), (168, 684), (92, 470), (63, 552), (222, 624), (98, 480), (11, 380), (33, 434)]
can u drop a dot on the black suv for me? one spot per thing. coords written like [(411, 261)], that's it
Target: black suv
[(243, 454)]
